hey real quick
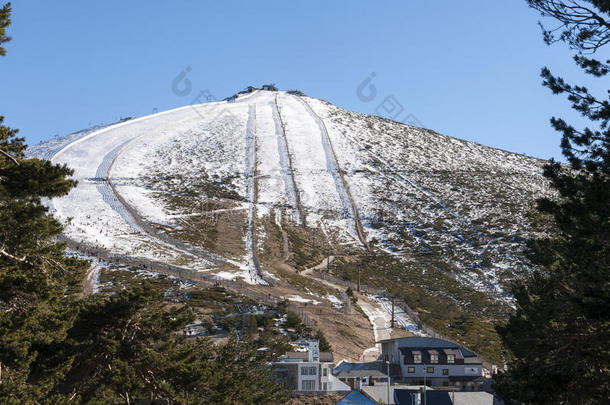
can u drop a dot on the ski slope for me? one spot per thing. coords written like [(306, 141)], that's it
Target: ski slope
[(268, 143), (92, 212), (298, 160)]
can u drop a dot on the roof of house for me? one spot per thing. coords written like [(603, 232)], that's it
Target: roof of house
[(360, 370), (474, 398), (468, 356), (379, 393), (403, 397), (325, 357), (355, 398), (434, 397), (428, 342), (456, 352), (361, 374)]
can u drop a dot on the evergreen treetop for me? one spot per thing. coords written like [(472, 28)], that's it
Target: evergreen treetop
[(560, 331)]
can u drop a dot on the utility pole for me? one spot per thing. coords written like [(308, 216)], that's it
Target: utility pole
[(392, 323)]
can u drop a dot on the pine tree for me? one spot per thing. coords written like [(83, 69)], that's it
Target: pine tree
[(57, 348), (560, 332), (125, 347), (35, 277), (324, 345), (5, 21)]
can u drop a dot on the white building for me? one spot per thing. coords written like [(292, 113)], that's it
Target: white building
[(310, 370)]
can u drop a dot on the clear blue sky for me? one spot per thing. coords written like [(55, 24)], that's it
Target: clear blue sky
[(469, 69)]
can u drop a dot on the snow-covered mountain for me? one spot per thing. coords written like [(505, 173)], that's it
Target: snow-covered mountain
[(219, 187)]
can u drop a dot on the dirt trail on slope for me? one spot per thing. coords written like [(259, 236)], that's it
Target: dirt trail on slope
[(320, 266), (349, 334), (376, 314), (376, 317), (90, 279)]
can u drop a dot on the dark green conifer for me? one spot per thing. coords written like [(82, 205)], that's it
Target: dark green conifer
[(58, 348), (560, 332)]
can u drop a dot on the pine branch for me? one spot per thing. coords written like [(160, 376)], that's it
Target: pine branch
[(23, 259), (580, 26), (9, 156), (55, 263)]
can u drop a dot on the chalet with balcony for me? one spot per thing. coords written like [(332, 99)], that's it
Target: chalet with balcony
[(433, 362)]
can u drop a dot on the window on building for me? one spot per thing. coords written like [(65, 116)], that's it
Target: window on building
[(416, 357), (445, 371), (411, 369), (429, 370), (451, 358), (434, 358), (309, 370), (324, 386), (308, 385), (325, 371)]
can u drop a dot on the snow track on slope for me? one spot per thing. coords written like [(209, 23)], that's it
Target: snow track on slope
[(96, 133), (50, 148), (286, 163), (149, 231), (128, 214), (111, 197), (254, 268), (332, 165), (107, 193), (400, 316)]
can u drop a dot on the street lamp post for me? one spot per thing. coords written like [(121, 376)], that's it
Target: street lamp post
[(425, 373), (388, 364)]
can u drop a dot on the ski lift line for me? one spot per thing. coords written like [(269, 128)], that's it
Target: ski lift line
[(290, 184), (342, 186), (251, 193)]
